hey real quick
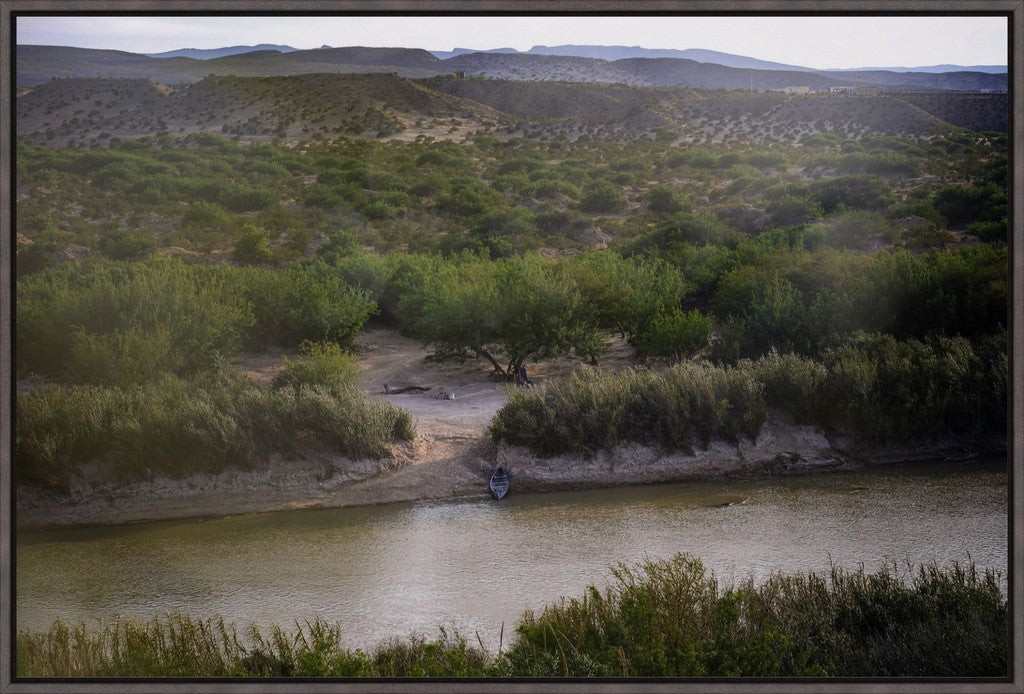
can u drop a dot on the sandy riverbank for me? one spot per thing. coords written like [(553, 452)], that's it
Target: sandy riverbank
[(445, 469), (451, 457)]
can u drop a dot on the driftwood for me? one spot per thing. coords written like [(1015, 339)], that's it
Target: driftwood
[(407, 389)]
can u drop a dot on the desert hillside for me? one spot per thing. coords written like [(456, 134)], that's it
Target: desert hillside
[(97, 111), (298, 107)]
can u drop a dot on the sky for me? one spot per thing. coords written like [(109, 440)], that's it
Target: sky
[(809, 41)]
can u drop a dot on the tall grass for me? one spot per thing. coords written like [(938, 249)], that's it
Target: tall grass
[(177, 645), (689, 404), (667, 618), (878, 387), (673, 619), (177, 427)]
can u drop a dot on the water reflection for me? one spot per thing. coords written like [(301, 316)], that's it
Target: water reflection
[(474, 565)]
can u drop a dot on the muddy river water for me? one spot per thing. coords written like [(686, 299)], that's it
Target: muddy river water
[(477, 565)]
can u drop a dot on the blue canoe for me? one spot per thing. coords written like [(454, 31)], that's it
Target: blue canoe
[(499, 483)]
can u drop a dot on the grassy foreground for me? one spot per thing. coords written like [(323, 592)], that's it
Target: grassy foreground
[(658, 619)]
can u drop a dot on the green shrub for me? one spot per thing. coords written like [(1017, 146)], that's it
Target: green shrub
[(855, 229), (768, 312), (247, 198), (856, 192), (321, 363), (73, 319), (885, 163), (601, 196), (310, 301), (207, 216), (684, 228), (675, 335), (790, 210), (467, 197), (962, 205), (126, 244), (252, 245), (663, 199), (991, 231)]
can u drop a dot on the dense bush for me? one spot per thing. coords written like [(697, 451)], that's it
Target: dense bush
[(683, 228), (962, 205), (675, 336), (848, 192), (856, 229), (311, 301), (793, 383), (120, 322), (110, 322), (763, 312), (252, 245), (601, 196), (663, 200), (321, 364), (789, 210), (626, 293), (528, 308), (891, 390), (126, 244)]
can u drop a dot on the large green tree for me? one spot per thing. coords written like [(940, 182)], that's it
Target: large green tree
[(524, 308)]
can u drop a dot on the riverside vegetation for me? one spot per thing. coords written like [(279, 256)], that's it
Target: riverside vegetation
[(667, 618), (858, 283)]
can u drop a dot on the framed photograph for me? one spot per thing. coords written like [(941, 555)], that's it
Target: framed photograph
[(437, 346)]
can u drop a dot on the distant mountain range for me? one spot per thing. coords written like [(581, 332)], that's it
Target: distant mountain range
[(700, 55), (696, 68), (990, 69), (208, 53), (455, 52)]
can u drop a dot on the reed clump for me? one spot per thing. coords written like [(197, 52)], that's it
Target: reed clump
[(661, 618), (176, 645), (687, 405), (673, 619), (876, 386), (176, 427)]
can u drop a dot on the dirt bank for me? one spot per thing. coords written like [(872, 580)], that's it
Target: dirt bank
[(451, 457)]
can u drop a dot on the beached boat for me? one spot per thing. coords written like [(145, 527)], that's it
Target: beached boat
[(499, 483)]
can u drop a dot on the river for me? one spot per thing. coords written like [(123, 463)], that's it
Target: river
[(475, 566)]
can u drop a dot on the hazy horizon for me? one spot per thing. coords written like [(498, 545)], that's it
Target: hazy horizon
[(837, 42)]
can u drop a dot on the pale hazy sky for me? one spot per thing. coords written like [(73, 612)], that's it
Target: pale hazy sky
[(810, 41)]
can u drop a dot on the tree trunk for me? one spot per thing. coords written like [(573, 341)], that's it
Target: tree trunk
[(494, 362)]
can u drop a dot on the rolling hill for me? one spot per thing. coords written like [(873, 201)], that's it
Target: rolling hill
[(37, 65), (95, 111), (91, 111)]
